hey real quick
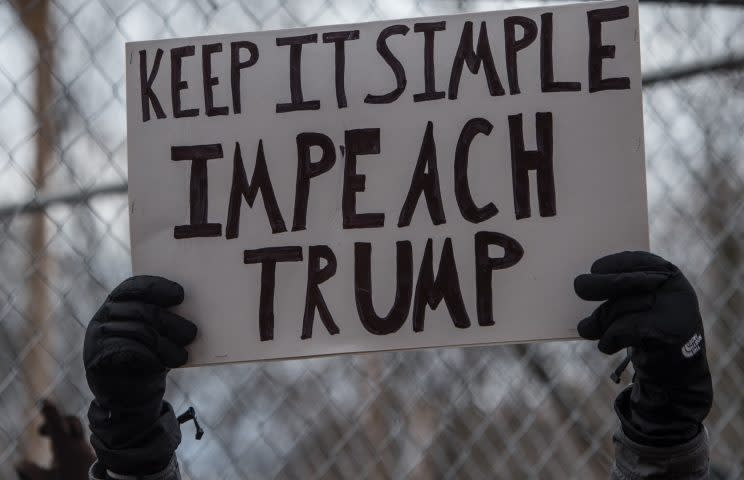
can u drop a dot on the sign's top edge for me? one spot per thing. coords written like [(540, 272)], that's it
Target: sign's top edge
[(630, 3)]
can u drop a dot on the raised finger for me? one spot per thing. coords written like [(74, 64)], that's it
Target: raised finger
[(74, 426), (54, 425)]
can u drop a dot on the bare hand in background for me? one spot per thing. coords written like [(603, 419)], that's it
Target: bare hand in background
[(71, 452)]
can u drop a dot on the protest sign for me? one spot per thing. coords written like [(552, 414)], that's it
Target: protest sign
[(387, 185)]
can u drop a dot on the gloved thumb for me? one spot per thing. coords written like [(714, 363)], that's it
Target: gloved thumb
[(621, 335)]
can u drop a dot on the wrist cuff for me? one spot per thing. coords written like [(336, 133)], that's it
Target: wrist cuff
[(651, 429), (149, 452)]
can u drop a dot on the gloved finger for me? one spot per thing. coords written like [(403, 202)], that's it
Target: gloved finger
[(133, 330), (148, 289), (592, 327), (31, 471), (172, 355), (603, 286), (117, 355), (595, 325), (176, 328), (169, 324), (620, 335), (631, 262)]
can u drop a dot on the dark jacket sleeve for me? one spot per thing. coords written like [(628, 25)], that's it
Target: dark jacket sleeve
[(171, 472), (687, 461)]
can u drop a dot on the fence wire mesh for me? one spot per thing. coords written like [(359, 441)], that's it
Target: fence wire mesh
[(525, 411)]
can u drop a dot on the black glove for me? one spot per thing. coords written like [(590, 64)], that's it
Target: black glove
[(130, 344), (651, 307)]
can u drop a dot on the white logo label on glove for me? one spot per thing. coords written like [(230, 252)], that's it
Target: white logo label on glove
[(692, 346)]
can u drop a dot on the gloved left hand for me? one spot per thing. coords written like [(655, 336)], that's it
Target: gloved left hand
[(651, 307), (130, 344)]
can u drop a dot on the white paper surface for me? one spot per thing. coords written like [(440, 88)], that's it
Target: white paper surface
[(597, 160)]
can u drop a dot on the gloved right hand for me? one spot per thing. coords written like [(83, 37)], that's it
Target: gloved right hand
[(130, 344)]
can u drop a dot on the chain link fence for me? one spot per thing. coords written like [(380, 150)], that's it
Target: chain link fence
[(524, 411)]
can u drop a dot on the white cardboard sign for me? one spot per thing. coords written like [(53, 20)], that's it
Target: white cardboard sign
[(388, 185)]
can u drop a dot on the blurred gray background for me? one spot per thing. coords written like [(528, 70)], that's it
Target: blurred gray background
[(523, 411)]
